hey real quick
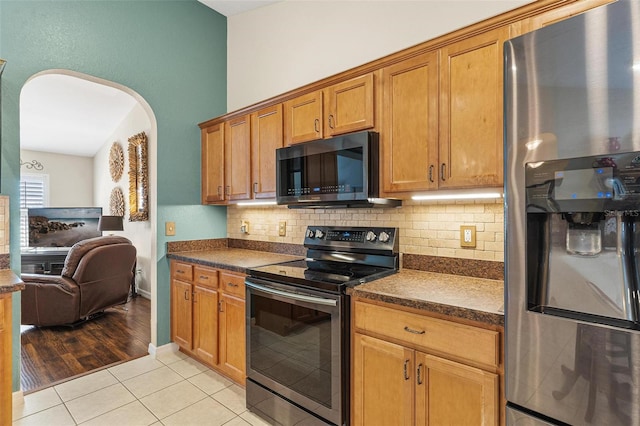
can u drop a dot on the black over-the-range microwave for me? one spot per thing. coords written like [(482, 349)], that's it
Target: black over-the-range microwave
[(342, 171)]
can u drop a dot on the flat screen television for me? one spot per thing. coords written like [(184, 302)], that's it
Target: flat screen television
[(62, 226)]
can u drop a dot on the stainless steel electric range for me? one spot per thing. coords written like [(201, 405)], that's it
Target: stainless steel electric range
[(298, 324)]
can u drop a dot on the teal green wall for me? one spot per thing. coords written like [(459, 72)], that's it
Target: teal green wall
[(172, 53)]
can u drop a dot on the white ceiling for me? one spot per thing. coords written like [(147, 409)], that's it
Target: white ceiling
[(69, 115), (234, 7)]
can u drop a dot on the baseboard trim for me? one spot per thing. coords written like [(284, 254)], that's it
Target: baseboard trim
[(18, 397), (154, 351), (144, 293)]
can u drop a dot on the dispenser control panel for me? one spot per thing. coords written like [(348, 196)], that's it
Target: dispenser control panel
[(595, 183)]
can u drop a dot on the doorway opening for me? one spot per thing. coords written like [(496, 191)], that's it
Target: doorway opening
[(69, 125)]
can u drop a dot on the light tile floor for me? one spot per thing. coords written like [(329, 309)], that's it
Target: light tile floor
[(171, 389)]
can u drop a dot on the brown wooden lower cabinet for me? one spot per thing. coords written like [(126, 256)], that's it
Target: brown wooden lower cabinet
[(408, 378), (5, 361), (208, 317)]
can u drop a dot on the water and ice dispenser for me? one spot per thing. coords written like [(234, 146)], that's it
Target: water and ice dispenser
[(583, 235)]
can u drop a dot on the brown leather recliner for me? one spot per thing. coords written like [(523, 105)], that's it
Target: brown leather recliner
[(97, 274)]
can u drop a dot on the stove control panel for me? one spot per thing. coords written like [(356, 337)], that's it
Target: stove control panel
[(352, 238)]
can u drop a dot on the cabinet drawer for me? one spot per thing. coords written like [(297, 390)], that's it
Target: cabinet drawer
[(205, 277), (182, 271), (422, 332), (232, 283)]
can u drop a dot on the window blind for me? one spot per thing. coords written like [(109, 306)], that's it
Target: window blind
[(33, 193)]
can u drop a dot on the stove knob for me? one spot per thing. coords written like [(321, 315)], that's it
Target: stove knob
[(319, 233), (371, 236), (310, 233), (384, 237)]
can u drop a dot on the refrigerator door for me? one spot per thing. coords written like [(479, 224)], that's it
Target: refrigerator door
[(571, 90)]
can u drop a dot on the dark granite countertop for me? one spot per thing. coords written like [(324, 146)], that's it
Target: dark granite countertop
[(474, 299), (10, 282), (233, 259)]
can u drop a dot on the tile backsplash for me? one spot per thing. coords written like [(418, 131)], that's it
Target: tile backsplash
[(426, 228)]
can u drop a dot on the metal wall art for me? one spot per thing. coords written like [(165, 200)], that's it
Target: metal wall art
[(138, 178), (34, 164), (116, 161)]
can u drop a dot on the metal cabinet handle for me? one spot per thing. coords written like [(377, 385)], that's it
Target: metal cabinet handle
[(228, 190), (219, 190), (179, 271), (419, 374), (204, 277), (186, 295), (431, 173), (315, 125), (411, 330), (406, 369), (442, 170), (331, 121), (255, 186), (230, 284), (220, 306)]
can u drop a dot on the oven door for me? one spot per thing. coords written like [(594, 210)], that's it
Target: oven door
[(295, 345)]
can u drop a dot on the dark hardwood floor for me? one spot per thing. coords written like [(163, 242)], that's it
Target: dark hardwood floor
[(51, 355)]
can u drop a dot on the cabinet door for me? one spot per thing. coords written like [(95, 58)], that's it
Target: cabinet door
[(181, 313), (409, 137), (349, 106), (471, 92), (5, 359), (303, 118), (205, 324), (232, 337), (383, 383), (455, 394), (237, 158), (266, 137), (213, 164)]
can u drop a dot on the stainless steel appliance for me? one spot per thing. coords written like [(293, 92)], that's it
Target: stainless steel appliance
[(336, 172), (298, 324), (572, 144)]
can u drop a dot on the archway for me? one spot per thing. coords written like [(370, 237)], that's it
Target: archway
[(85, 103)]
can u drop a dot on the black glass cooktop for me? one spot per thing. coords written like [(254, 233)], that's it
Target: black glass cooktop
[(321, 274)]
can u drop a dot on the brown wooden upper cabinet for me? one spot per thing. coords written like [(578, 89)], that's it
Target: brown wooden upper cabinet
[(213, 164), (409, 136), (238, 157), (438, 108), (555, 15), (442, 117), (237, 168), (471, 93), (341, 108), (266, 137)]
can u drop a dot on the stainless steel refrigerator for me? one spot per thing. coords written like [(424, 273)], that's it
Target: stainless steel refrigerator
[(572, 197)]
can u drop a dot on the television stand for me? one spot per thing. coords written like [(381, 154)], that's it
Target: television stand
[(49, 261)]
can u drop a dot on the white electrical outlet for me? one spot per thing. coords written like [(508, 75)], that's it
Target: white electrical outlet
[(467, 236), (244, 227)]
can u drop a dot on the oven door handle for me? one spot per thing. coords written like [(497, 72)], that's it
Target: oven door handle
[(294, 296)]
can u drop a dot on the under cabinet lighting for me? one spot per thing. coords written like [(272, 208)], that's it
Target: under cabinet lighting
[(461, 195), (256, 203)]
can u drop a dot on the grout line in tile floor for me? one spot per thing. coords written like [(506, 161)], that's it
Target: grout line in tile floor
[(171, 389)]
